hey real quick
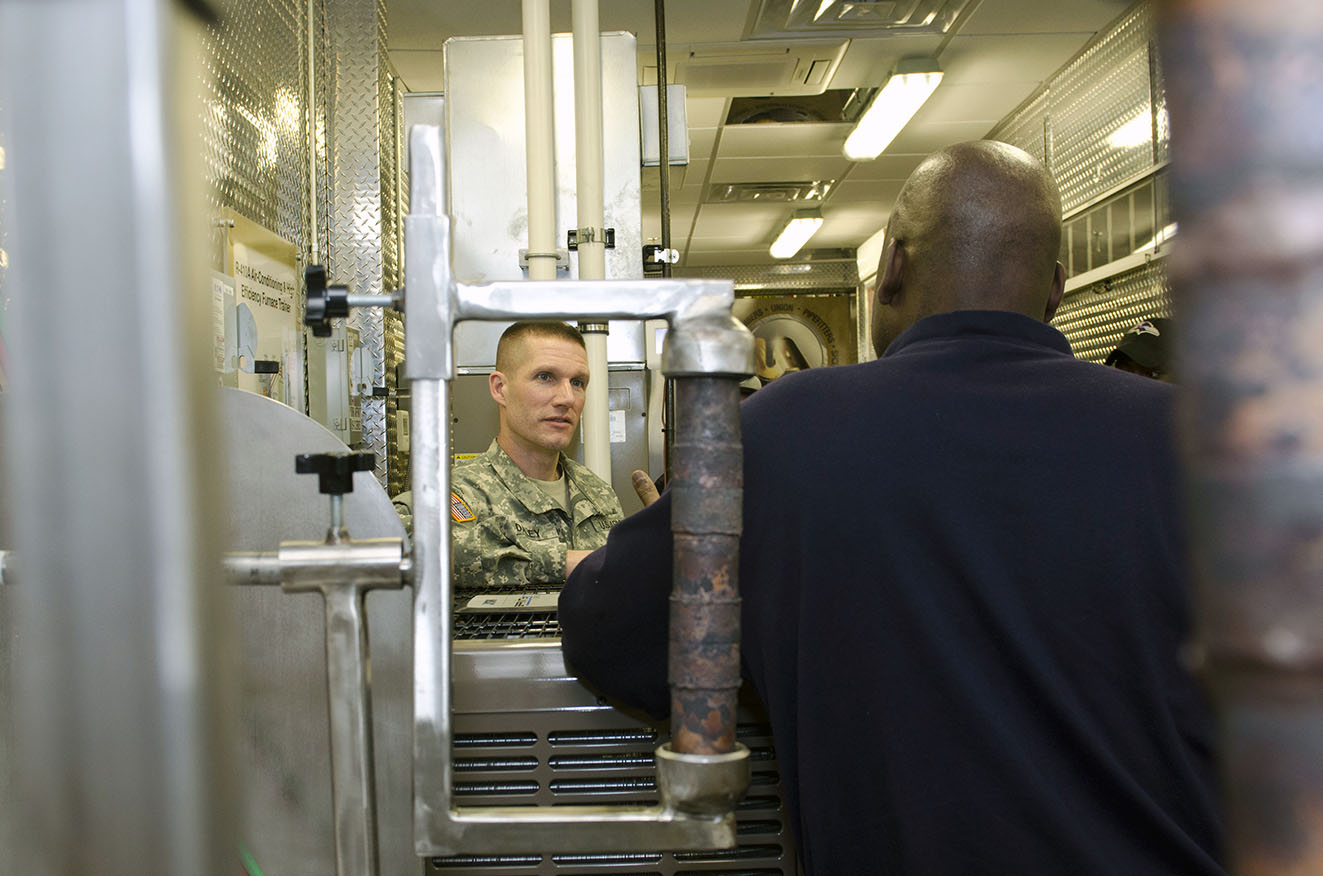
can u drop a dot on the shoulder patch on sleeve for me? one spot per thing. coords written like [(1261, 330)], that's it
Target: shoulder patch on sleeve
[(459, 511)]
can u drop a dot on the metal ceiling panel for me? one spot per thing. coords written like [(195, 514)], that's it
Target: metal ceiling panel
[(705, 112), (889, 165), (868, 62), (748, 222), (990, 102), (1082, 17), (788, 167), (931, 136), (847, 224), (698, 258), (702, 143), (682, 216), (800, 139), (1028, 58), (854, 191)]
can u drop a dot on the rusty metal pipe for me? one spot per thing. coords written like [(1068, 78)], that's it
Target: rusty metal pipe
[(706, 518), (1245, 86)]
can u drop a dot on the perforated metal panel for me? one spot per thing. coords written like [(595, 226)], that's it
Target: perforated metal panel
[(1027, 128), (1101, 121), (1161, 124), (1094, 318), (1100, 124), (1101, 113)]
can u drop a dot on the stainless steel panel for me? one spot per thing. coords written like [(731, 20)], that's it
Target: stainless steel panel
[(488, 198), (284, 767)]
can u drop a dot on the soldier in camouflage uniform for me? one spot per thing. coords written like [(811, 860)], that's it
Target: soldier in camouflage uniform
[(523, 512), (509, 531)]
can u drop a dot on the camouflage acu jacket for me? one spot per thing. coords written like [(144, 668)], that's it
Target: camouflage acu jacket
[(506, 531)]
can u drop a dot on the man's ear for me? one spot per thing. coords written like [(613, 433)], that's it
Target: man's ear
[(496, 383), (892, 268), (1058, 289)]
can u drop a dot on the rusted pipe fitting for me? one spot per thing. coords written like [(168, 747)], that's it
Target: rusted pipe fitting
[(1247, 272), (704, 658), (702, 784)]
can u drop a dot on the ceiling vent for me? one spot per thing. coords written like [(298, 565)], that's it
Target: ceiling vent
[(770, 192), (830, 106), (759, 69), (781, 19)]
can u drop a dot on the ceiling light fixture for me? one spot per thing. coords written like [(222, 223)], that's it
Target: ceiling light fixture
[(803, 225), (892, 108)]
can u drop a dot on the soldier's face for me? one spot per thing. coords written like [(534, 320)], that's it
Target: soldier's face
[(542, 397)]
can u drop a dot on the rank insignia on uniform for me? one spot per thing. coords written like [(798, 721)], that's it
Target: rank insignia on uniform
[(459, 511)]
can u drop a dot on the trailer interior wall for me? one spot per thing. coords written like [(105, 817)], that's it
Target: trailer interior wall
[(1075, 125)]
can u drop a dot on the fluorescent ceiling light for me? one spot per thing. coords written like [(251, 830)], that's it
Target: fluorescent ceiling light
[(803, 225), (892, 108)]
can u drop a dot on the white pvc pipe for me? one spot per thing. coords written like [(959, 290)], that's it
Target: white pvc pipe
[(591, 215), (539, 140)]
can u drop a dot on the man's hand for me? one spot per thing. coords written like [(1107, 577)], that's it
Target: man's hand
[(644, 486), (572, 559)]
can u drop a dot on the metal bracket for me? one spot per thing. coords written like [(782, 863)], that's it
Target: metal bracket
[(588, 235), (562, 257)]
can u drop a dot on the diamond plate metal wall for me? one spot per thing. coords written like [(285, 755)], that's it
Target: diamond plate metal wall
[(355, 132), (254, 112), (1094, 318)]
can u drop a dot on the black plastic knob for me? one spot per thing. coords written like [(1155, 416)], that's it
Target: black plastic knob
[(335, 471), (324, 302)]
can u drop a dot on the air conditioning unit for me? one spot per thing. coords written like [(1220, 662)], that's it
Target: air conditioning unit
[(757, 69)]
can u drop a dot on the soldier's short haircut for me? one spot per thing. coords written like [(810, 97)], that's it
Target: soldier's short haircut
[(520, 331)]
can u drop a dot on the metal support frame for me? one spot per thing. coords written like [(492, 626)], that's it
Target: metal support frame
[(698, 790), (342, 570)]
